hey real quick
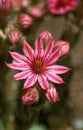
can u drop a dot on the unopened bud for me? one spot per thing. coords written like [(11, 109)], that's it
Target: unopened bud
[(37, 10), (52, 94), (46, 37), (14, 35), (24, 20), (30, 96), (24, 3), (64, 47)]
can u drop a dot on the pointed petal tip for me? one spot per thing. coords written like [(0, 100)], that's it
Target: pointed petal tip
[(63, 82), (9, 51), (24, 42), (7, 64), (15, 78), (68, 69), (25, 86)]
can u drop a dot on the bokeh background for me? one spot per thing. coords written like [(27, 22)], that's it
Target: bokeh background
[(67, 114)]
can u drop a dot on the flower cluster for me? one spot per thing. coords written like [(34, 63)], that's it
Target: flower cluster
[(31, 12), (38, 67)]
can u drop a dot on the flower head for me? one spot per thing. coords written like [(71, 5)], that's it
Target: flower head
[(38, 65), (61, 6)]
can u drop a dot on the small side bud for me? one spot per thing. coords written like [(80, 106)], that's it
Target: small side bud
[(64, 47), (14, 35), (52, 94), (30, 96)]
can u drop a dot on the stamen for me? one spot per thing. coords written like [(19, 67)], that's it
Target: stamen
[(37, 66)]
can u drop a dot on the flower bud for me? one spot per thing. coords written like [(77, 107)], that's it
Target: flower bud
[(37, 10), (24, 3), (24, 20), (30, 96), (5, 6), (64, 47), (46, 37), (14, 35), (51, 94)]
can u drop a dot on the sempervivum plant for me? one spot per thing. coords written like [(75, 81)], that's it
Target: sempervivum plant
[(38, 66)]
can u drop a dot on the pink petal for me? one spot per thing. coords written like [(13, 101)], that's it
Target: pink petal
[(28, 51), (30, 81), (22, 75), (53, 57), (38, 47), (43, 81), (17, 66), (49, 48), (18, 57), (53, 77), (58, 69)]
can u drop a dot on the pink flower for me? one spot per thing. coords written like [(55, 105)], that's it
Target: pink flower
[(61, 6), (38, 65), (52, 94), (64, 47), (14, 35), (24, 20), (30, 95)]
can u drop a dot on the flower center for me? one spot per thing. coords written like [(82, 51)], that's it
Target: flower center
[(37, 66)]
